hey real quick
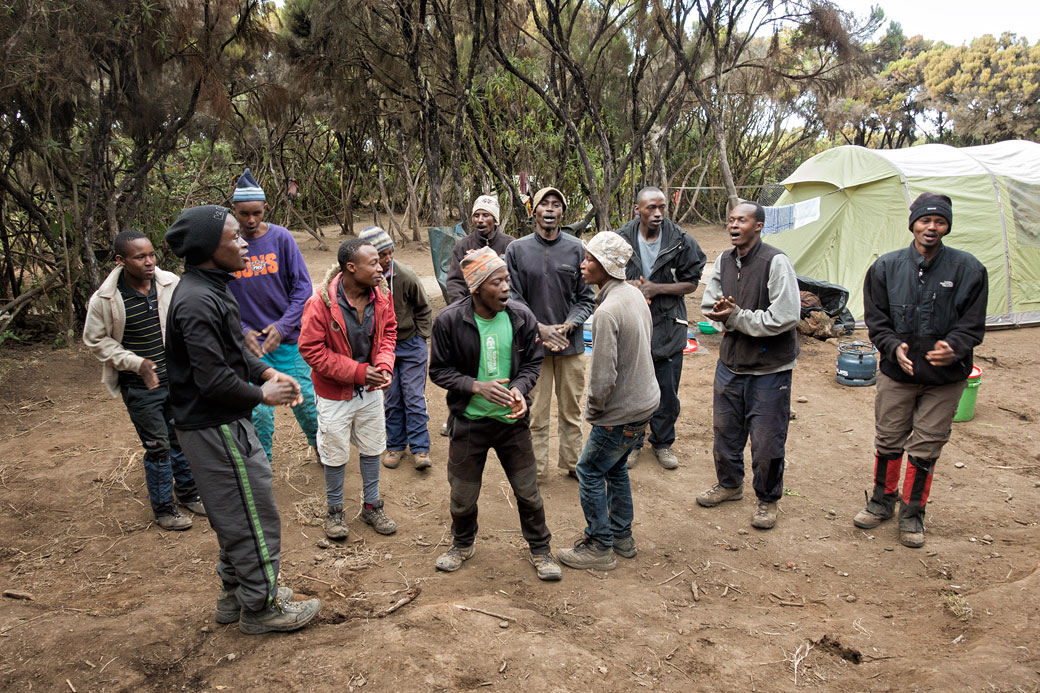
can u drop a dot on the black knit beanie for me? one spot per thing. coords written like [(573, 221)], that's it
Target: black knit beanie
[(931, 203), (196, 233)]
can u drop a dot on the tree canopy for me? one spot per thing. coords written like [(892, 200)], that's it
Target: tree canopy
[(118, 114)]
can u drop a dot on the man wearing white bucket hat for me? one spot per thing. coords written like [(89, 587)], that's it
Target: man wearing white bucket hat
[(622, 396), (925, 309)]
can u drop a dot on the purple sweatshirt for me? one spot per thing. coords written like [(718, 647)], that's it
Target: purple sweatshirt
[(274, 285)]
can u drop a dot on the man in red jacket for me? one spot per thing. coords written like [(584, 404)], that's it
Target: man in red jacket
[(348, 337)]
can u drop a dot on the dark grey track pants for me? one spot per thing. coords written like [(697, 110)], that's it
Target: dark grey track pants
[(234, 480)]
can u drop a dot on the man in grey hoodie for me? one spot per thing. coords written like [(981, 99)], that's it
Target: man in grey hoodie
[(622, 396)]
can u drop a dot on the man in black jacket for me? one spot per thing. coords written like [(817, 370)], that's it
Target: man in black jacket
[(485, 352), (925, 309), (666, 265), (214, 386)]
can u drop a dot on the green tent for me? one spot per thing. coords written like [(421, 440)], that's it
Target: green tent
[(846, 206)]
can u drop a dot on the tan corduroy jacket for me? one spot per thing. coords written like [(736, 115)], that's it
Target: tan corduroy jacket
[(106, 318)]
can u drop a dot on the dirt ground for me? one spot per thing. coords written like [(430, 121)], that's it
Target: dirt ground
[(709, 602)]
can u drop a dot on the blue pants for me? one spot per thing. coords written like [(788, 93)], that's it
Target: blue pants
[(759, 406), (286, 358), (164, 465), (603, 486), (405, 403)]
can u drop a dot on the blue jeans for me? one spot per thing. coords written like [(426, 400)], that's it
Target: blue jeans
[(758, 406), (405, 403), (164, 465), (603, 486), (286, 358)]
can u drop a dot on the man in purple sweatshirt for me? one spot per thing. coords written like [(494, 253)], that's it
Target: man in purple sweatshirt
[(271, 292)]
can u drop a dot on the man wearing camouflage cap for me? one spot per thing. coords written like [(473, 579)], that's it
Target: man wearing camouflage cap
[(622, 396)]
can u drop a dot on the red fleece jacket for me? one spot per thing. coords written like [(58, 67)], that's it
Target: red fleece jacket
[(324, 346)]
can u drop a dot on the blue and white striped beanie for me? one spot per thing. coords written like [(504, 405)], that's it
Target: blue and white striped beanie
[(247, 190)]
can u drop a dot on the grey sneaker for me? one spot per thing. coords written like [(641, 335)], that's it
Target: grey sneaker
[(545, 566), (719, 494), (282, 616), (194, 504), (422, 460), (392, 458), (336, 524), (375, 517), (867, 520), (452, 559), (588, 554), (444, 429), (625, 546), (229, 610), (168, 517), (765, 515), (666, 458), (913, 540)]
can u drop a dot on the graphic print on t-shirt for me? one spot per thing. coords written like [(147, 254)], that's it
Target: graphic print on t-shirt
[(258, 265)]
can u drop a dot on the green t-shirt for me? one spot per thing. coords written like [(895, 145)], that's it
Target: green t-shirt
[(496, 360)]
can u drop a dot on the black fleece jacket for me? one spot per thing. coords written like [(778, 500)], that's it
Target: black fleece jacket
[(680, 260), (212, 374), (455, 351), (908, 300)]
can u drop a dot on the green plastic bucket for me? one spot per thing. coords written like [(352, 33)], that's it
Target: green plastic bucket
[(966, 407)]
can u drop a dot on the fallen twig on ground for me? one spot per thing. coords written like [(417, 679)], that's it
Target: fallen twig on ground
[(486, 613)]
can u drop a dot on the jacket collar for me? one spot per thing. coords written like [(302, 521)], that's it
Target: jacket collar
[(110, 287), (605, 290), (466, 306), (215, 277), (670, 237)]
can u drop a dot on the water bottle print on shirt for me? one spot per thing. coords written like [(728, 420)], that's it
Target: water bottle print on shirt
[(491, 355)]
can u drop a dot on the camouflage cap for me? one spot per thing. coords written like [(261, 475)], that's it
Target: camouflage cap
[(611, 251)]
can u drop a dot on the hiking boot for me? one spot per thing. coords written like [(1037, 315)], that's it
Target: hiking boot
[(336, 524), (452, 559), (867, 520), (913, 540), (193, 503), (719, 494), (168, 517), (444, 429), (625, 546), (392, 458), (588, 554), (372, 514), (422, 460), (666, 458), (228, 608), (765, 515), (282, 616), (545, 566)]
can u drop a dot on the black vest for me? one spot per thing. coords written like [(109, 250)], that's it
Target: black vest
[(749, 286)]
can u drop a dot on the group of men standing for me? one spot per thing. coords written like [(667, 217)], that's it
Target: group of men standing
[(201, 361)]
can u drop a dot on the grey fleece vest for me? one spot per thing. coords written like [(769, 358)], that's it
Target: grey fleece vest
[(749, 285)]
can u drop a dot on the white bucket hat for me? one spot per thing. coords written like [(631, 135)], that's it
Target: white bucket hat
[(611, 251)]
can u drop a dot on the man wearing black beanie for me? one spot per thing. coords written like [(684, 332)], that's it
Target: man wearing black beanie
[(215, 383), (925, 309)]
